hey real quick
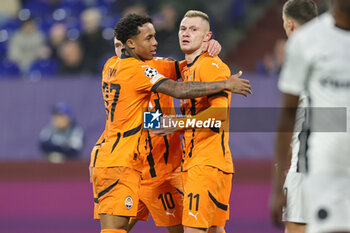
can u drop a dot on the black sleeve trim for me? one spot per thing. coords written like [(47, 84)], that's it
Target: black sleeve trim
[(224, 94), (155, 86)]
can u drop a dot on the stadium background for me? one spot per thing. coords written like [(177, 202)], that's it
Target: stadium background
[(37, 196)]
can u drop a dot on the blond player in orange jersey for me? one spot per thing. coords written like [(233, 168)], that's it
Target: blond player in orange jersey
[(127, 84), (207, 168)]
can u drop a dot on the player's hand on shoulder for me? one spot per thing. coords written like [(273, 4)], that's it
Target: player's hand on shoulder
[(213, 47), (169, 59), (237, 85)]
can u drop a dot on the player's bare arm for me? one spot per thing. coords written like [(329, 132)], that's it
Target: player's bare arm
[(284, 137), (188, 90)]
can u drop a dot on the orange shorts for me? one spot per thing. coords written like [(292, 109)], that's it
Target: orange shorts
[(115, 191), (206, 200), (163, 198)]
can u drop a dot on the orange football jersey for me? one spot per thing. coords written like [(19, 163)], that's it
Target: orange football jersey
[(161, 154), (127, 84), (207, 147)]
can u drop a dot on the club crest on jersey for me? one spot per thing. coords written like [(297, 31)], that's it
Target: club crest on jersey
[(128, 202), (151, 72)]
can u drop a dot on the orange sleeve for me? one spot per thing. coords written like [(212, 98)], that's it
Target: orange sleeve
[(108, 63), (213, 70), (148, 78), (170, 69)]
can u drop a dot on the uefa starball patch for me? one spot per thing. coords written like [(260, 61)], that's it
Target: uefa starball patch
[(151, 72)]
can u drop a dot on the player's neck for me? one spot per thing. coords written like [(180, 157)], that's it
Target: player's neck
[(342, 19), (131, 52), (191, 56)]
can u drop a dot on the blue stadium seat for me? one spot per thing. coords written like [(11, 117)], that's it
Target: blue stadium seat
[(38, 8), (9, 69), (238, 10), (72, 7), (3, 50), (46, 68), (11, 25)]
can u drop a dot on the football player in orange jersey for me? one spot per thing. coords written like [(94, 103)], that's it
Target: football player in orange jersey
[(127, 84), (207, 168)]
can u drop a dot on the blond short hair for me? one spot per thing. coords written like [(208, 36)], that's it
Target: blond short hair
[(194, 13)]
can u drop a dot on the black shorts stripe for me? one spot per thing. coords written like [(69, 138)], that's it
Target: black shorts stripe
[(180, 191), (218, 204), (107, 189), (116, 142), (132, 131), (96, 200), (155, 86), (224, 94)]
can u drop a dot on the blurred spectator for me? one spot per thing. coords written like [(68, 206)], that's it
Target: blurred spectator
[(25, 44), (134, 6), (94, 45), (45, 66), (8, 9), (71, 59), (166, 23), (272, 63), (62, 139), (57, 36), (138, 8)]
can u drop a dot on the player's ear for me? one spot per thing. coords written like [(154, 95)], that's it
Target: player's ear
[(291, 25), (130, 43), (207, 36)]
